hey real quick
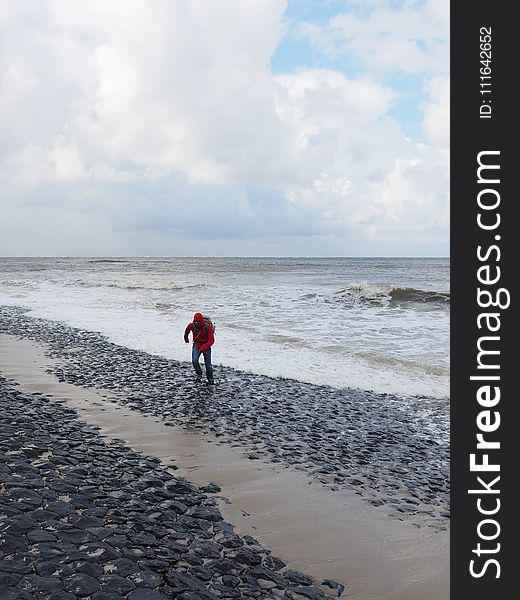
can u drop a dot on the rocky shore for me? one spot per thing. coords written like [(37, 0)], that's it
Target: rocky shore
[(83, 517), (394, 452)]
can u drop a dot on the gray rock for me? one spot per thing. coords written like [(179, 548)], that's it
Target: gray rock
[(115, 584), (81, 585)]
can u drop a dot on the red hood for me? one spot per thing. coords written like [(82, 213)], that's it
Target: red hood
[(198, 317)]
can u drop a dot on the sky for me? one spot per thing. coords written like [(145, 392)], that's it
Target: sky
[(229, 128)]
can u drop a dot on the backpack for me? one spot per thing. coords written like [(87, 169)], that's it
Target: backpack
[(208, 320)]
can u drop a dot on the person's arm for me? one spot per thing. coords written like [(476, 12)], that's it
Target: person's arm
[(187, 331), (211, 339)]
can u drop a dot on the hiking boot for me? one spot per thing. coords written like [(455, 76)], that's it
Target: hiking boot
[(198, 378), (211, 381)]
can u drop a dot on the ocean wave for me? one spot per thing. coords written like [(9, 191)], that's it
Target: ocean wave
[(287, 340), (108, 260), (400, 364), (310, 296), (389, 295), (164, 287)]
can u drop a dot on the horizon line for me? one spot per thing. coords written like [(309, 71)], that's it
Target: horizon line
[(123, 256)]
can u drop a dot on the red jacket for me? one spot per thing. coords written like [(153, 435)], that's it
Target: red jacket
[(203, 336)]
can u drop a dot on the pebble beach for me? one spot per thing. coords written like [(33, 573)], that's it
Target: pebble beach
[(82, 515)]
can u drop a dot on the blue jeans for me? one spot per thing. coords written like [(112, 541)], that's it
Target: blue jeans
[(195, 355)]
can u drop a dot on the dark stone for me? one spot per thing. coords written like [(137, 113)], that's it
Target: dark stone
[(62, 509), (182, 581), (192, 559), (27, 497), (247, 556), (20, 525), (143, 594), (117, 540), (207, 513), (268, 575), (100, 533), (48, 550), (14, 544), (42, 515), (207, 549), (202, 572), (251, 541), (143, 538), (180, 486), (297, 577), (16, 566), (226, 592), (8, 580), (36, 583), (122, 567), (157, 565), (133, 553), (230, 581), (15, 594), (226, 566), (39, 535), (274, 563), (334, 585), (307, 592), (99, 552), (87, 521), (199, 595), (147, 579), (54, 568), (115, 584), (80, 584), (88, 568), (74, 536), (211, 488)]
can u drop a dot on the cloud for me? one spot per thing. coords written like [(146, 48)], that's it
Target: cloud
[(181, 86), (436, 120), (410, 37), (410, 200), (368, 177), (333, 119), (163, 119)]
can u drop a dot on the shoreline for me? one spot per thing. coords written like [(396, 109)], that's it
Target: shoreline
[(392, 451), (92, 518), (411, 563)]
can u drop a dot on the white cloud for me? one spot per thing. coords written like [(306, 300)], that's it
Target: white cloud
[(172, 86), (367, 176), (164, 116), (334, 120), (410, 200), (413, 37), (436, 121)]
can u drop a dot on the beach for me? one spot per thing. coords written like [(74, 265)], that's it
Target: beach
[(302, 490), (265, 183)]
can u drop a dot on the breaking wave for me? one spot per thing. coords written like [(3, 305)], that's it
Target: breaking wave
[(389, 295)]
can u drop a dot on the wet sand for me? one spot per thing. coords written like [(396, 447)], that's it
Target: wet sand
[(326, 534)]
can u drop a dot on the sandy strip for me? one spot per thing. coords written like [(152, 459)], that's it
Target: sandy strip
[(326, 534)]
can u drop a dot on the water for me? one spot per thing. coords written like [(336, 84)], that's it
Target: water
[(378, 324)]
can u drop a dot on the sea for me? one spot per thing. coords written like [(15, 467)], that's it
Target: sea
[(379, 324)]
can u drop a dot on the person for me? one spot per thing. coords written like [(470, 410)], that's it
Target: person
[(203, 339)]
